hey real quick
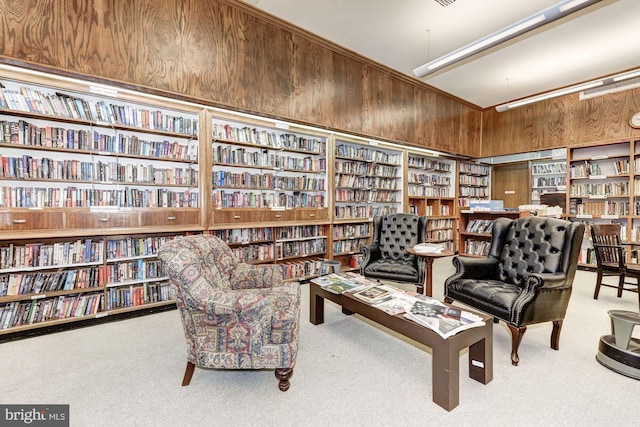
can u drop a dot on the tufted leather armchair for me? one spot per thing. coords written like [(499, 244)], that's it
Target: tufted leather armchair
[(386, 256), (525, 279), (235, 315)]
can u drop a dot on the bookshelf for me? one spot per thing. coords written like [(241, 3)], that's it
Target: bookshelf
[(81, 169), (269, 192), (431, 191), (475, 230), (547, 177), (368, 181), (474, 182), (601, 190)]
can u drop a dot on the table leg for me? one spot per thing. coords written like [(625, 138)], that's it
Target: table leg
[(316, 306), (481, 358), (446, 376), (428, 277)]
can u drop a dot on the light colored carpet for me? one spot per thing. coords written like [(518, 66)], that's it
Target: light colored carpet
[(348, 373)]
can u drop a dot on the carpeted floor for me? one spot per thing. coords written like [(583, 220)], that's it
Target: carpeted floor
[(348, 373)]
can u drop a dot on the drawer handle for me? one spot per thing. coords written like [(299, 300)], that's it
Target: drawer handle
[(312, 215), (278, 216), (236, 217), (171, 218), (104, 220), (19, 221)]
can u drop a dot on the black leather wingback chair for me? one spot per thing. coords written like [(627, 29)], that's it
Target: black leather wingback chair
[(525, 279), (386, 257)]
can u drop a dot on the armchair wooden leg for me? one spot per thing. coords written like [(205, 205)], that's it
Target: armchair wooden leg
[(448, 300), (188, 373), (283, 374), (516, 337), (555, 334)]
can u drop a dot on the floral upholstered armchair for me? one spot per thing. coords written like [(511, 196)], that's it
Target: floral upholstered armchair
[(235, 315)]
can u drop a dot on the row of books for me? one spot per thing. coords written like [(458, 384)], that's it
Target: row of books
[(483, 226), (481, 192), (302, 268), (368, 154), (296, 232), (255, 253), (28, 167), (346, 231), (429, 164), (267, 181), (137, 295), (473, 180), (426, 311), (245, 235), (440, 235), (476, 247), (74, 197), (50, 137), (549, 181), (362, 212), (428, 179), (548, 168), (608, 189), (233, 156), (348, 246), (419, 190), (49, 281), (67, 253), (366, 169), (135, 246), (366, 196), (474, 169), (357, 181), (600, 208), (74, 107), (266, 199), (140, 269), (21, 313), (301, 249), (268, 138)]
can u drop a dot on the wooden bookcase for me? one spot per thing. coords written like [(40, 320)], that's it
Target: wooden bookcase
[(601, 188), (431, 191), (475, 230), (549, 176), (368, 181), (474, 182), (84, 170), (269, 192)]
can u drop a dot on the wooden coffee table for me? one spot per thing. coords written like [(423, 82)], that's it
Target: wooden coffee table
[(446, 352)]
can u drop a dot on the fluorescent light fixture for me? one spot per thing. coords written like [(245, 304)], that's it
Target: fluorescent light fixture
[(612, 86), (625, 76), (546, 16), (548, 95)]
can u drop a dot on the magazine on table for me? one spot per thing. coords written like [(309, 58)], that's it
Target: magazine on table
[(401, 302), (376, 294), (444, 320), (337, 284)]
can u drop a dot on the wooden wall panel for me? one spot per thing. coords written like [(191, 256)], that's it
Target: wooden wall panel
[(226, 53), (560, 122)]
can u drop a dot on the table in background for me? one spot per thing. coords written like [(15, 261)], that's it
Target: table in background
[(427, 288)]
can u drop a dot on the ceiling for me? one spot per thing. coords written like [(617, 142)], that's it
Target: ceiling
[(598, 41)]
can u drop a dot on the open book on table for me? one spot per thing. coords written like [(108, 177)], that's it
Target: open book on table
[(445, 320)]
